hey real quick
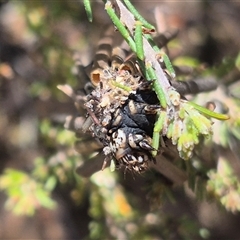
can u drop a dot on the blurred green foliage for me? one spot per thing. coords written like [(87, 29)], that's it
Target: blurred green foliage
[(224, 185), (25, 194)]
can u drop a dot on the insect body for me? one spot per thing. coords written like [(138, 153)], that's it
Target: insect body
[(126, 108), (125, 112)]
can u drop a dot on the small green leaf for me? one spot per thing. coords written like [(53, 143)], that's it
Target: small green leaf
[(119, 25), (138, 37), (136, 14), (44, 198), (156, 85), (157, 130), (186, 61), (88, 8), (168, 65), (208, 112), (51, 183), (112, 166), (237, 61)]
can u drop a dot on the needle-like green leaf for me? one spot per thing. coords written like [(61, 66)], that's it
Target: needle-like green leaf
[(138, 37), (156, 85), (121, 28), (208, 112), (157, 130), (137, 15), (88, 8)]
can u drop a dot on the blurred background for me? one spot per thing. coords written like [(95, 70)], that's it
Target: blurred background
[(41, 196)]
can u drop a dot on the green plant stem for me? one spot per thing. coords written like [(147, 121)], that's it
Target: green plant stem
[(116, 21), (136, 14)]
